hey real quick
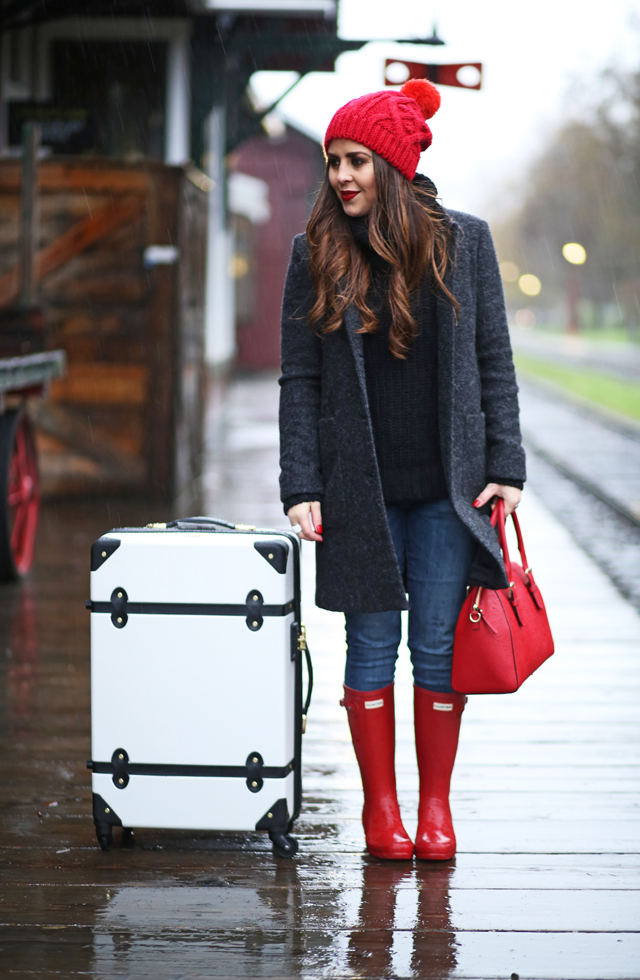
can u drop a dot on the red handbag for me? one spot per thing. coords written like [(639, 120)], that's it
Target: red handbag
[(502, 635)]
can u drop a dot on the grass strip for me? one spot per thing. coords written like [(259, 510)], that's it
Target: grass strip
[(616, 394)]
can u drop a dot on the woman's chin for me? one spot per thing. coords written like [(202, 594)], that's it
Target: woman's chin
[(356, 209)]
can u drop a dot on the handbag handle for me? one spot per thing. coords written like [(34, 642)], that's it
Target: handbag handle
[(498, 518), (498, 521)]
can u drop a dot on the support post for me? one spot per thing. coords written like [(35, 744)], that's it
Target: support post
[(573, 297), (29, 222)]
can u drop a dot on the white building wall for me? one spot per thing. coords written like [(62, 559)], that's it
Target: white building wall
[(220, 343), (177, 110)]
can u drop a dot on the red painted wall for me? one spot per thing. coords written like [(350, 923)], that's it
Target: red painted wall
[(293, 168)]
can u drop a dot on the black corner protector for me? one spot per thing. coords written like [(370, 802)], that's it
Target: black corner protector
[(275, 552), (103, 813), (88, 604), (276, 817), (89, 763), (102, 549)]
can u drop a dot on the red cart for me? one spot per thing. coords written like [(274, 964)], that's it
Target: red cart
[(21, 378)]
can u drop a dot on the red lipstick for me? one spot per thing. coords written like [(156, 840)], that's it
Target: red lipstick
[(348, 195)]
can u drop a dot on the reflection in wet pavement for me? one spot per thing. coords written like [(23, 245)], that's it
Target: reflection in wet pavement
[(545, 794)]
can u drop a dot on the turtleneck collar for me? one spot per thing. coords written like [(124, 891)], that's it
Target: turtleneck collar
[(360, 230)]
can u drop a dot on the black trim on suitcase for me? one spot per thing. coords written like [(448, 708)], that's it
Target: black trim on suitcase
[(102, 549), (102, 813), (254, 610), (296, 654), (254, 771), (275, 552), (105, 820), (276, 817), (192, 608)]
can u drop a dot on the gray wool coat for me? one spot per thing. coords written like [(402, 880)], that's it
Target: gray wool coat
[(326, 441)]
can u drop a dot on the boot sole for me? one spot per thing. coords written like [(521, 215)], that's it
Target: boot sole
[(435, 853), (405, 855)]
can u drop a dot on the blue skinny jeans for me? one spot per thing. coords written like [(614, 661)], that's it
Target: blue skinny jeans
[(436, 550)]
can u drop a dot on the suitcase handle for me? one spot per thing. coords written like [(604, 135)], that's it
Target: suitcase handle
[(302, 646), (199, 521)]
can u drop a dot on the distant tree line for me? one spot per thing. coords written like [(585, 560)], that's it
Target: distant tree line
[(584, 187)]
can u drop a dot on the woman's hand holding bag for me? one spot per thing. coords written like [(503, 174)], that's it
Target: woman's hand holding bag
[(502, 635)]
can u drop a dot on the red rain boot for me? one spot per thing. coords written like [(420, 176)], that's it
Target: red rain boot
[(373, 731), (437, 723)]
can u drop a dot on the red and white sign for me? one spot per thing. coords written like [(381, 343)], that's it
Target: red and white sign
[(468, 74)]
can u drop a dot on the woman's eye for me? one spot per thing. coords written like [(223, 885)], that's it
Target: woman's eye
[(334, 164)]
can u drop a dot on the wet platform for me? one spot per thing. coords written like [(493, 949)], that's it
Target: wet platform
[(545, 795)]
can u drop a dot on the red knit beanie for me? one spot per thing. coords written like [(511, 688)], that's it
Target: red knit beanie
[(390, 123)]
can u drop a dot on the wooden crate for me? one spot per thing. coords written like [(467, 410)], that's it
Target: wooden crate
[(128, 415)]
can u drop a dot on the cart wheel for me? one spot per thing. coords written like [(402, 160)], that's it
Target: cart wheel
[(127, 837), (19, 495), (104, 833), (286, 845)]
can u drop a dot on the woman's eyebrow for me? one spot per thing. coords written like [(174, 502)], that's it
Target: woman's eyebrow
[(354, 153)]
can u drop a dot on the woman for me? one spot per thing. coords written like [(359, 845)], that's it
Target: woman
[(399, 428)]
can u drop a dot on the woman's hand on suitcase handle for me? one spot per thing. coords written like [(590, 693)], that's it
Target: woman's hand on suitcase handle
[(510, 495), (309, 516)]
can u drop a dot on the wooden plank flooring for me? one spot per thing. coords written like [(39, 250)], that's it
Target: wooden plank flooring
[(546, 796)]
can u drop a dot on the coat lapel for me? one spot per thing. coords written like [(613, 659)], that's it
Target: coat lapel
[(446, 361), (352, 324)]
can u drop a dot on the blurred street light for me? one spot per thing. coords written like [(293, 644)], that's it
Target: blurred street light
[(525, 319), (529, 284), (576, 255), (509, 271)]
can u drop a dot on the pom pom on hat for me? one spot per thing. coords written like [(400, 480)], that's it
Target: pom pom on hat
[(424, 93)]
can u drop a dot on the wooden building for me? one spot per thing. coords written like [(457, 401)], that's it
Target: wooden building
[(120, 270)]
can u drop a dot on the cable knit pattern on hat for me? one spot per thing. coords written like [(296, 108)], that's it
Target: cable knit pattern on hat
[(390, 123)]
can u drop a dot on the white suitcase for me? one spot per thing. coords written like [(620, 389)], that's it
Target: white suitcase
[(196, 679)]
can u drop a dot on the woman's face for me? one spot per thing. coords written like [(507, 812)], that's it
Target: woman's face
[(351, 176)]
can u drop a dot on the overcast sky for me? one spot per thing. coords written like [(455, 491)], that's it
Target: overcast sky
[(536, 57)]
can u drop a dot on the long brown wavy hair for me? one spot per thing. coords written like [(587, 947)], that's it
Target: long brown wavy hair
[(407, 228)]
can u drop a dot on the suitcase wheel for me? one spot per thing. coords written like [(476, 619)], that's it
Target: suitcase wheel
[(104, 833), (285, 845)]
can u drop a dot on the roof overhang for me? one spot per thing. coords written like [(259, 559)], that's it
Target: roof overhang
[(300, 8)]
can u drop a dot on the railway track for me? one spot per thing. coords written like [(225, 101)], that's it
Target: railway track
[(586, 468)]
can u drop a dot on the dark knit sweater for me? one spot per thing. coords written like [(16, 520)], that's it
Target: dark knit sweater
[(403, 394)]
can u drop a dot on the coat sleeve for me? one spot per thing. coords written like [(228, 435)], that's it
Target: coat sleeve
[(301, 355), (505, 454)]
